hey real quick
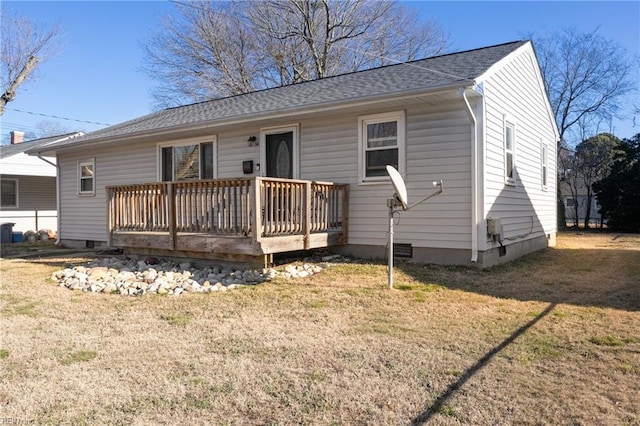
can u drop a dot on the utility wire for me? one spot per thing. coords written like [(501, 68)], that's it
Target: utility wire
[(59, 118), (14, 126)]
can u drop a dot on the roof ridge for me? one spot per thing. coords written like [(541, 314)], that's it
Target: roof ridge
[(413, 62)]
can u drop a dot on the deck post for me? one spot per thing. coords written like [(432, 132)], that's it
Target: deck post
[(109, 216), (171, 201), (256, 206), (345, 214), (307, 214)]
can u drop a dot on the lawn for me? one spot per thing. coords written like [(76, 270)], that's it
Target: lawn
[(553, 338)]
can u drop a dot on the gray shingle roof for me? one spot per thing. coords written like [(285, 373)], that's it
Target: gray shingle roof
[(422, 75), (11, 150)]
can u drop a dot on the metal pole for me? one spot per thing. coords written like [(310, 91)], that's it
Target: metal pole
[(391, 245)]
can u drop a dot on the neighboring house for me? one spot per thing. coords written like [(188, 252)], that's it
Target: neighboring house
[(580, 200), (28, 193), (479, 120)]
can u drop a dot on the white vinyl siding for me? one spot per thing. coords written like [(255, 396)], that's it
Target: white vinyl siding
[(517, 92), (36, 198), (85, 218), (438, 146)]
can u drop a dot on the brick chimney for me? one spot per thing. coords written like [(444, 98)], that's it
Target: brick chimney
[(17, 137)]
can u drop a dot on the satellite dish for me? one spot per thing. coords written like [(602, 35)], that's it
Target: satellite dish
[(398, 185), (400, 199)]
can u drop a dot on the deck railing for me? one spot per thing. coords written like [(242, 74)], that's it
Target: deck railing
[(230, 207)]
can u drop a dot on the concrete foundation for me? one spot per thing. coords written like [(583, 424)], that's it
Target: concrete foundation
[(441, 256)]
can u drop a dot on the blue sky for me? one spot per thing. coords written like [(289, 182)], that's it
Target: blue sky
[(97, 75)]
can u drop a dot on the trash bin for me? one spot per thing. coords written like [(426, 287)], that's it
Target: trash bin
[(6, 232)]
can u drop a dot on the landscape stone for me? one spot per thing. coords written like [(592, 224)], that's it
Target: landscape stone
[(134, 277)]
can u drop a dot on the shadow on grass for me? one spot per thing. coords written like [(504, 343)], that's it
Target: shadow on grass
[(440, 402), (608, 278)]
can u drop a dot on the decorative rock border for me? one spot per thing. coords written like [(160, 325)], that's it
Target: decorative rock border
[(132, 277)]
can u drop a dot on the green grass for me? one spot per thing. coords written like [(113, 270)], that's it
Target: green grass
[(178, 319), (4, 353), (446, 410), (78, 356), (316, 304), (17, 305), (611, 340)]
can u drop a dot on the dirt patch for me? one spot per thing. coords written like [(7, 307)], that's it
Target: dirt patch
[(550, 339)]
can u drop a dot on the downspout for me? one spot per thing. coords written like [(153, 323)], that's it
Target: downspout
[(57, 196), (474, 176)]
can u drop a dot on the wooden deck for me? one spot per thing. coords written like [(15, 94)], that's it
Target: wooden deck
[(217, 218)]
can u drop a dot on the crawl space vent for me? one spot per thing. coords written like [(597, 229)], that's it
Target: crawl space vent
[(403, 250)]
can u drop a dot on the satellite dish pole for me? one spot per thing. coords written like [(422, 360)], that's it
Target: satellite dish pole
[(399, 200)]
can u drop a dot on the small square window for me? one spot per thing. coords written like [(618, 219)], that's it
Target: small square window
[(86, 177), (9, 193)]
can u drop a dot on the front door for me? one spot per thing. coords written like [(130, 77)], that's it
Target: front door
[(279, 155)]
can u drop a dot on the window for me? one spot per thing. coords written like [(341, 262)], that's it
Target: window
[(569, 202), (9, 193), (382, 140), (509, 153), (190, 161), (86, 177), (545, 168)]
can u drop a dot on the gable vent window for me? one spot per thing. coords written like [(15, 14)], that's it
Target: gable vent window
[(382, 141), (185, 162)]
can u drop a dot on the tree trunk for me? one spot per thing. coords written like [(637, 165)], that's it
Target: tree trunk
[(10, 93), (587, 212)]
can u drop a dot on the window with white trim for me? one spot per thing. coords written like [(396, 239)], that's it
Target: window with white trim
[(86, 177), (545, 167), (9, 193), (381, 143), (187, 161), (509, 153)]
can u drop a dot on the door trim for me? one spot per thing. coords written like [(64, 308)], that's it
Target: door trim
[(295, 130)]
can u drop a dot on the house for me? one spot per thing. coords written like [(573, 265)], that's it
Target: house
[(303, 166), (29, 184), (576, 200)]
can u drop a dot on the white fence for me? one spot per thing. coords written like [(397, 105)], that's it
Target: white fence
[(30, 220)]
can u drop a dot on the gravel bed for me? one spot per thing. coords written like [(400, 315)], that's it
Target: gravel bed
[(131, 277)]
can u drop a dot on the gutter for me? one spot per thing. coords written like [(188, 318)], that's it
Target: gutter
[(474, 173), (57, 196)]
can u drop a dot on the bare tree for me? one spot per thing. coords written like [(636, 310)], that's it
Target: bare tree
[(215, 49), (24, 46), (586, 77)]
